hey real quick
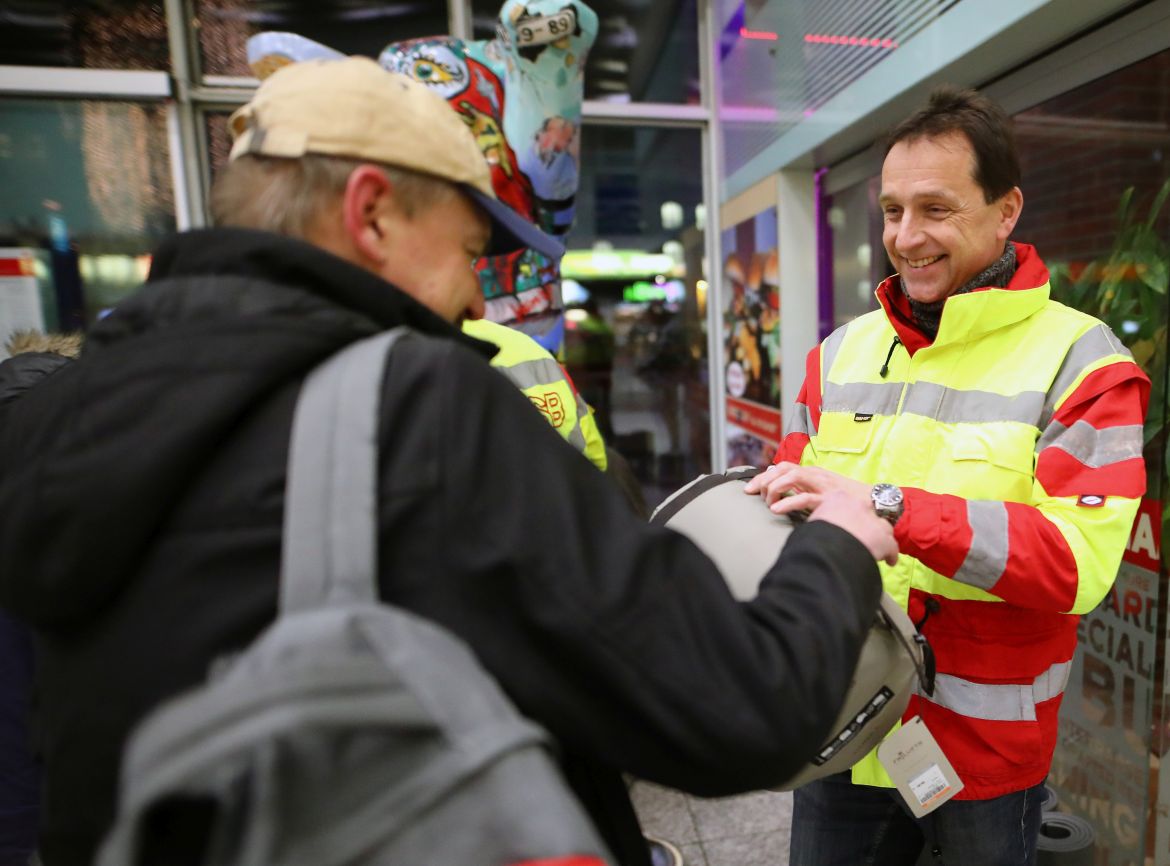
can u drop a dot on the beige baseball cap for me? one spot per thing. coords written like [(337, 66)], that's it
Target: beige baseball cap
[(355, 108)]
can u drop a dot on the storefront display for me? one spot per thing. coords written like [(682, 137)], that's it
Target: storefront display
[(751, 340)]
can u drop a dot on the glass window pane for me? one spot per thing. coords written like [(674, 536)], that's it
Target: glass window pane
[(131, 34), (644, 51), (71, 195), (1095, 177), (219, 141), (859, 258), (349, 26), (635, 297)]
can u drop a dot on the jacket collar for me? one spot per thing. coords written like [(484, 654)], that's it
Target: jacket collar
[(272, 258), (974, 313)]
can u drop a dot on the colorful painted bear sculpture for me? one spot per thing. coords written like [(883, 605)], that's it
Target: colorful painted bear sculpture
[(521, 94)]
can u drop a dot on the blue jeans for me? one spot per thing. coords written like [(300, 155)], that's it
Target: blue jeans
[(837, 823)]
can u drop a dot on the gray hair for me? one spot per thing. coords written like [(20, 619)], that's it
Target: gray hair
[(287, 196)]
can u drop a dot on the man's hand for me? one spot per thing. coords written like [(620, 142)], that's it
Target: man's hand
[(788, 487), (860, 521)]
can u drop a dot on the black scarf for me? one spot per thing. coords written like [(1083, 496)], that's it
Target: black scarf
[(998, 274)]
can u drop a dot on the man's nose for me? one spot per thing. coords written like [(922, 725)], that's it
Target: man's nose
[(910, 233)]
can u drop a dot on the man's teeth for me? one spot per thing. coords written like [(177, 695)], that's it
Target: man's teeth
[(922, 263)]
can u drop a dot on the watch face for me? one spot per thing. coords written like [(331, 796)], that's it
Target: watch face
[(887, 495)]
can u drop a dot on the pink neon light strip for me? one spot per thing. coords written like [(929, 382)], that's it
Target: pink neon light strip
[(758, 34), (827, 39)]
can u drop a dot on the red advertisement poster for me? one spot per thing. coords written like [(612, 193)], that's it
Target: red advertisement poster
[(751, 340)]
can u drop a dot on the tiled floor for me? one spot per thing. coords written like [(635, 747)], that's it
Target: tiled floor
[(750, 830)]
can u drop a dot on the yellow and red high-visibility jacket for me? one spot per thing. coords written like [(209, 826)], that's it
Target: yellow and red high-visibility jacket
[(1016, 437), (545, 383)]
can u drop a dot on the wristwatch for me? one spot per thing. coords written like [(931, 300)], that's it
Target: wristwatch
[(887, 501)]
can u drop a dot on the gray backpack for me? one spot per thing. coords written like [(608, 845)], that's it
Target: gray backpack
[(349, 732)]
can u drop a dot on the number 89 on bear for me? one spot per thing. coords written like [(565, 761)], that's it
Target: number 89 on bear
[(542, 29)]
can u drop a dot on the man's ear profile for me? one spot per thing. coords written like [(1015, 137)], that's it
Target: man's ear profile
[(1010, 208), (369, 211)]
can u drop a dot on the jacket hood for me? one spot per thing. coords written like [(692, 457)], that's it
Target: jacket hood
[(66, 345), (35, 356), (21, 373), (94, 459)]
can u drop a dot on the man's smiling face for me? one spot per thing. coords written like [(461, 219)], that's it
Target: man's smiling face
[(939, 230)]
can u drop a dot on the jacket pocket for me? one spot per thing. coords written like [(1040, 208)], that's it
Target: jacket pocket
[(841, 433), (987, 465)]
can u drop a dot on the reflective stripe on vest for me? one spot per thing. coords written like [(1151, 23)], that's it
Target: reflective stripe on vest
[(542, 380), (995, 410), (799, 420), (543, 373), (1092, 347), (829, 349), (1095, 448), (531, 374), (954, 406), (875, 399), (544, 383), (999, 702), (988, 554)]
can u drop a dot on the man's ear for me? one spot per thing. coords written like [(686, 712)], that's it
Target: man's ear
[(366, 210), (1010, 208)]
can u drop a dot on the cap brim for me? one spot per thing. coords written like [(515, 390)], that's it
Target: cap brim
[(512, 232)]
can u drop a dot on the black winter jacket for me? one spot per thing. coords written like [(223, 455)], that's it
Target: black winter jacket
[(142, 486), (21, 372), (20, 775)]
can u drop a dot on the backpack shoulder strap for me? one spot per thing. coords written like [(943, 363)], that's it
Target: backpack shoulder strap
[(329, 552)]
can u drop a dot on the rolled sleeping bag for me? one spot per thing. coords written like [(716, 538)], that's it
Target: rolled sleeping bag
[(743, 538), (1065, 840)]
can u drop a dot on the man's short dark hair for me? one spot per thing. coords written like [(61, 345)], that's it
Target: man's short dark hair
[(982, 121)]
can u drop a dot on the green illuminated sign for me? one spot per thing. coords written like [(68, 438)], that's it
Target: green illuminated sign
[(643, 291), (614, 264)]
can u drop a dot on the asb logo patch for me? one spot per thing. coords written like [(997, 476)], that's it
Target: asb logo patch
[(1091, 500), (550, 404)]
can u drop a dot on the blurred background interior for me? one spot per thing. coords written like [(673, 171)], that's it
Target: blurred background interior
[(726, 220)]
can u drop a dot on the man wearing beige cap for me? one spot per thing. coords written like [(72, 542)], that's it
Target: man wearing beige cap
[(142, 488)]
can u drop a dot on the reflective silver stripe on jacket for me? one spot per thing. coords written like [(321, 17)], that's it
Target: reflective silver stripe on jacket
[(872, 397), (988, 554), (529, 374), (547, 372), (957, 406), (799, 420), (931, 400), (829, 350), (1093, 345), (999, 702), (1095, 448), (576, 436)]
